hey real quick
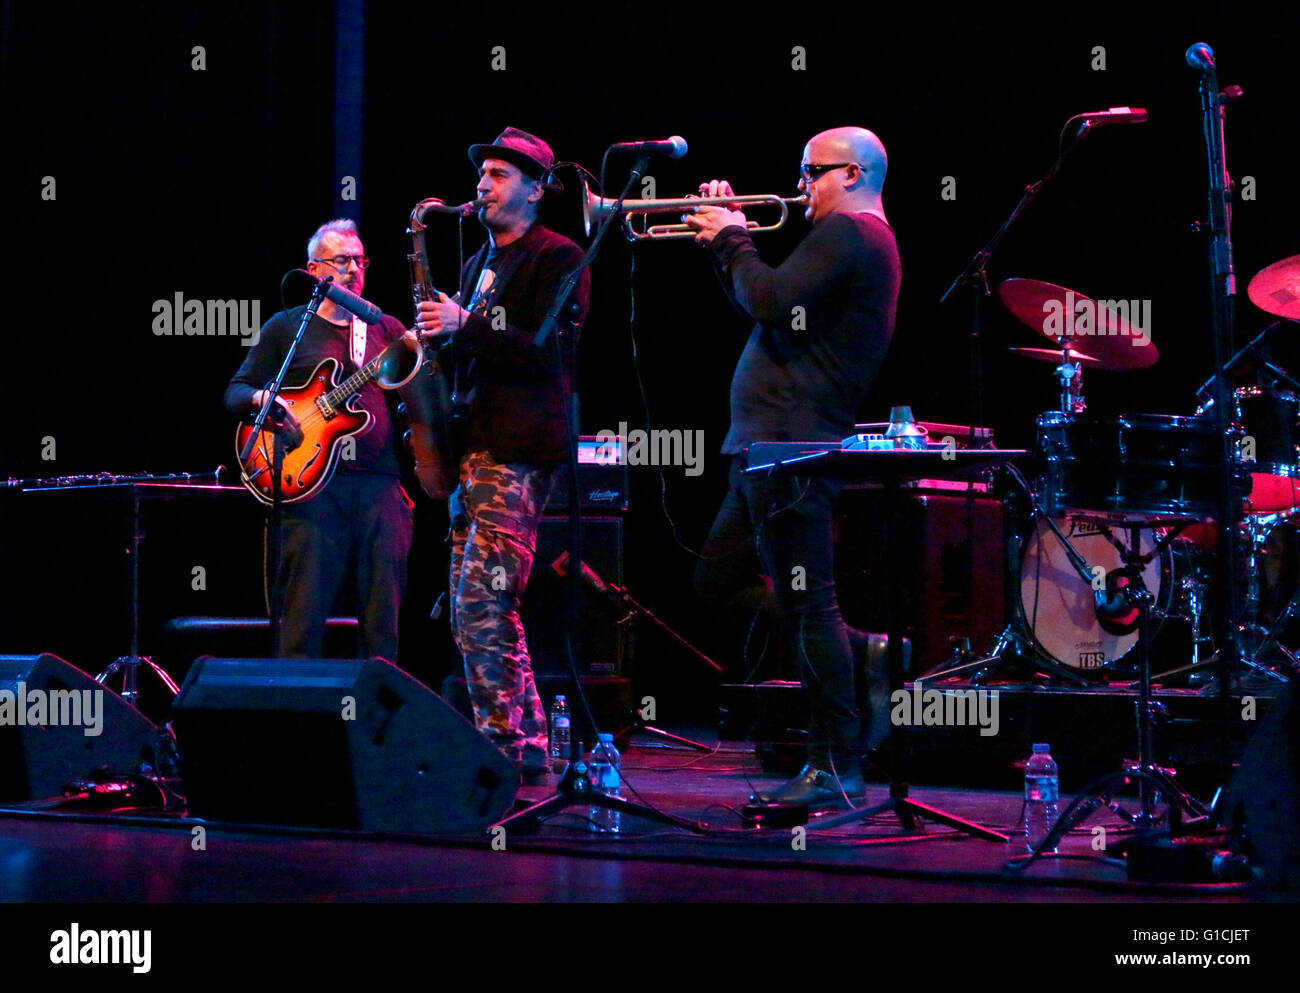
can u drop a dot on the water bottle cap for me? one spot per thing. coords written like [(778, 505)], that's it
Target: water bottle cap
[(606, 737), (559, 697), (1042, 748)]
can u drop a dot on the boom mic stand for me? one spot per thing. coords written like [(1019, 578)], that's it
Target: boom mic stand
[(620, 597), (575, 786), (271, 408)]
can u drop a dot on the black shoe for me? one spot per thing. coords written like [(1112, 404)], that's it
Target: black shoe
[(814, 787)]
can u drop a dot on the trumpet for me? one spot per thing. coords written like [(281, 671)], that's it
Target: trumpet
[(595, 209)]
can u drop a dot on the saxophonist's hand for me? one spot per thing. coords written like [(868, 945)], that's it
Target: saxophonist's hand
[(437, 320)]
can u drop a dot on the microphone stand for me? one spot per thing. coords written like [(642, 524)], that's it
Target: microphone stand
[(625, 601), (575, 785), (271, 407), (975, 275), (1223, 293)]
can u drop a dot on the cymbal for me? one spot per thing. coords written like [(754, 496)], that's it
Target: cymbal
[(1275, 289), (1054, 355), (1058, 313)]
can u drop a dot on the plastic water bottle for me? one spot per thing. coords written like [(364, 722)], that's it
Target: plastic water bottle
[(1041, 791), (606, 777), (561, 733)]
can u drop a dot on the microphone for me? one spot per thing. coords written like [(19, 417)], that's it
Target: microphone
[(348, 300), (1115, 115), (674, 147), (589, 575), (1200, 56)]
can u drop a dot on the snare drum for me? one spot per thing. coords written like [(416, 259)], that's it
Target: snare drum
[(1145, 466), (1265, 428)]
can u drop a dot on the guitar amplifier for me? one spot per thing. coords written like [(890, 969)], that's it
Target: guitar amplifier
[(952, 571), (545, 606), (602, 479)]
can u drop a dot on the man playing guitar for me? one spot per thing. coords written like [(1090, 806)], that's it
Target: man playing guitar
[(360, 522)]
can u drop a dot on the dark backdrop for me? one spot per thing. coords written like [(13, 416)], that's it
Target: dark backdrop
[(209, 182)]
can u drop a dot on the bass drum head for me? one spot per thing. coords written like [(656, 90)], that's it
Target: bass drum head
[(1059, 608)]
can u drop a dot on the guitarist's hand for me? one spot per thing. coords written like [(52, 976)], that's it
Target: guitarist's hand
[(437, 320), (287, 424)]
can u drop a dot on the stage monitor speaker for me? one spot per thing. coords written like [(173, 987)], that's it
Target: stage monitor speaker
[(80, 727), (544, 610), (336, 743)]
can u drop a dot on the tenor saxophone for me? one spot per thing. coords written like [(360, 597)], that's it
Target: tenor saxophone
[(422, 289)]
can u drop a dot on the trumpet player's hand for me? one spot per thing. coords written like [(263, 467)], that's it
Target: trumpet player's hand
[(707, 221), (716, 188), (437, 320)]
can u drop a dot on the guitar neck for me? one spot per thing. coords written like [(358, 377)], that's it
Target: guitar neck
[(353, 384)]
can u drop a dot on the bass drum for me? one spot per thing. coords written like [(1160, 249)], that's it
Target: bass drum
[(1059, 608)]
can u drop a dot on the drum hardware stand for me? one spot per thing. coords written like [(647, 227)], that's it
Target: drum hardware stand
[(1257, 535), (1195, 595)]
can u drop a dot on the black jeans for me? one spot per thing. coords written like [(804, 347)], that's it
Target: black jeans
[(781, 527), (359, 526)]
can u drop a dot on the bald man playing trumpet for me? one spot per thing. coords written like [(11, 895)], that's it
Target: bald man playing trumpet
[(824, 320)]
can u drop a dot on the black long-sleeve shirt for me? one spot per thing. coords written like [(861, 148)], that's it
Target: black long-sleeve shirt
[(375, 447), (804, 372)]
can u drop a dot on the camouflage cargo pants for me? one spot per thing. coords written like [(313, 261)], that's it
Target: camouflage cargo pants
[(494, 517)]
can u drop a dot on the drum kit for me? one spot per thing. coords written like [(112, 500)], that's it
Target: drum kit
[(1123, 537)]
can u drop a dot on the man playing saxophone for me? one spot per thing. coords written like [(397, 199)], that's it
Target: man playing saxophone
[(514, 431)]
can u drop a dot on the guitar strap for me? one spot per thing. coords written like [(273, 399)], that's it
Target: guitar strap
[(358, 342)]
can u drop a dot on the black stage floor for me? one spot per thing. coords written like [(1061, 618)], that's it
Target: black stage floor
[(94, 858)]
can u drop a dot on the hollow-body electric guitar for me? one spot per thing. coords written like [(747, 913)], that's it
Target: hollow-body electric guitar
[(323, 408)]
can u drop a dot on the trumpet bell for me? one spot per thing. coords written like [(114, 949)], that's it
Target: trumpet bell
[(595, 209), (399, 362)]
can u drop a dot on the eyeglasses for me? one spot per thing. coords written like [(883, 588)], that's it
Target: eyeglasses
[(340, 262), (808, 171)]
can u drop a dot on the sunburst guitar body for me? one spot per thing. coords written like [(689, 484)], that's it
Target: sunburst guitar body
[(324, 411)]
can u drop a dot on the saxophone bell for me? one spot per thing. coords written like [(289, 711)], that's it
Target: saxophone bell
[(400, 361)]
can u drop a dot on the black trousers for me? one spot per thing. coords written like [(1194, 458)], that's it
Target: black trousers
[(781, 527), (359, 526)]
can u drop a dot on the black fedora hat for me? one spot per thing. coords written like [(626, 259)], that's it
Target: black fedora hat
[(532, 155)]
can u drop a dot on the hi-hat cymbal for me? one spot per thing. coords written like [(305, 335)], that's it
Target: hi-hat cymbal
[(1054, 356), (1060, 314), (1275, 289)]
